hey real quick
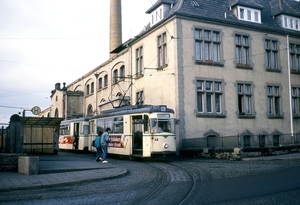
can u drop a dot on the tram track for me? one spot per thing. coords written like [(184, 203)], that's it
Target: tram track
[(176, 185)]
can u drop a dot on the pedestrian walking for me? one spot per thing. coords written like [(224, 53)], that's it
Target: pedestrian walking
[(104, 144), (55, 142), (98, 146)]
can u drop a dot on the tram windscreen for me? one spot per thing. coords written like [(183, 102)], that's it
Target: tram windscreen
[(162, 125)]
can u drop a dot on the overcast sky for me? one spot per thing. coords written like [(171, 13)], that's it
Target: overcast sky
[(43, 42)]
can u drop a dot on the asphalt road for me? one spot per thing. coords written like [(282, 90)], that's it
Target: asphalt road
[(178, 181)]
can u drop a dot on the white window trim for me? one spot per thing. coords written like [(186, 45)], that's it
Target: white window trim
[(246, 14), (288, 25)]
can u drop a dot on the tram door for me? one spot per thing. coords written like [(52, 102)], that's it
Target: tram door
[(76, 135), (137, 133)]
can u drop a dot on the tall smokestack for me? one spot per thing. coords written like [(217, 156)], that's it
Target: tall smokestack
[(115, 25)]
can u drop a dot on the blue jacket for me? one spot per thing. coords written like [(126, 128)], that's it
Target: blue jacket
[(105, 139), (98, 141)]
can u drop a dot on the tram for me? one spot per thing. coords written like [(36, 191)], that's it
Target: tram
[(74, 134), (137, 131)]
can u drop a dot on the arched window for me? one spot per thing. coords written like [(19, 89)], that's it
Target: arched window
[(122, 72), (115, 79), (56, 113), (88, 89), (92, 87), (100, 83), (105, 80), (90, 110)]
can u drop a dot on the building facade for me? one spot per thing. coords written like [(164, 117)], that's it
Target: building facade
[(227, 67)]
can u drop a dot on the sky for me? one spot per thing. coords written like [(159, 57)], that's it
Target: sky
[(44, 42)]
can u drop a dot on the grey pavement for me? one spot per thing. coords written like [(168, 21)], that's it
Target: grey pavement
[(62, 169), (67, 169)]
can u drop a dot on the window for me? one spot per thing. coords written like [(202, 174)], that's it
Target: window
[(245, 99), (88, 89), (276, 140), (56, 98), (262, 140), (115, 78), (92, 87), (139, 61), (162, 50), (90, 110), (105, 81), (209, 97), (271, 54), (207, 45), (247, 14), (295, 57), (100, 83), (273, 100), (122, 72), (291, 23), (242, 50), (296, 101), (140, 98)]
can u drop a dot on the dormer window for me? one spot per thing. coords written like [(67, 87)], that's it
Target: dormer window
[(291, 22), (248, 14)]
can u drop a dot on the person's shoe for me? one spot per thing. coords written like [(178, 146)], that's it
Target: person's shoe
[(98, 160), (104, 161)]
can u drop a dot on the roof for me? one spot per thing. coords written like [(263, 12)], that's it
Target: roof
[(49, 121), (288, 7), (159, 3)]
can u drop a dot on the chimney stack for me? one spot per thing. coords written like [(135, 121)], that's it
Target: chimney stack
[(115, 25)]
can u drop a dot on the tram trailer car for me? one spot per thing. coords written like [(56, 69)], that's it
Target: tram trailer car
[(137, 131), (74, 134)]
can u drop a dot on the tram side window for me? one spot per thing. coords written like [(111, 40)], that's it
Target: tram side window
[(118, 125), (100, 125), (65, 130), (109, 122), (85, 129)]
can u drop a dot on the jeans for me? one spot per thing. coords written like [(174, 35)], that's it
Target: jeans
[(104, 152), (99, 153)]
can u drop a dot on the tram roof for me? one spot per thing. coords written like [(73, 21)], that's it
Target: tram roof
[(77, 120), (134, 110)]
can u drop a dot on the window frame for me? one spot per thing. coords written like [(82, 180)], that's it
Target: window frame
[(243, 51), (255, 14), (274, 101), (289, 22), (295, 93), (162, 50), (294, 56), (272, 63), (210, 98), (208, 45), (139, 61), (245, 100), (140, 96)]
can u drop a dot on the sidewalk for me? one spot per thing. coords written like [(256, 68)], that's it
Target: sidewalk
[(61, 169), (66, 169)]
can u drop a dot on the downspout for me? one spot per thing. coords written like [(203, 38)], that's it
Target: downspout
[(290, 86)]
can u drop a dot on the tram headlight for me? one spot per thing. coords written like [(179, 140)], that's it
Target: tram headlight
[(165, 145)]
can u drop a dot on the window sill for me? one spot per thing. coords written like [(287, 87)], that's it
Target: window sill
[(243, 66), (275, 117), (138, 76), (162, 67), (210, 115), (210, 63), (295, 72), (275, 70), (246, 116), (296, 116)]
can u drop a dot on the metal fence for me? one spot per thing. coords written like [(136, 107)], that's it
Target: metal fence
[(243, 142)]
